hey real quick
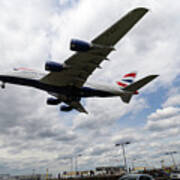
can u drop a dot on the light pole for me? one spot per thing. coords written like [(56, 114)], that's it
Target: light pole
[(133, 161), (124, 153), (71, 163), (76, 162), (146, 163), (33, 172), (162, 163), (172, 157)]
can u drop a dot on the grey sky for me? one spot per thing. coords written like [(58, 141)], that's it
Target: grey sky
[(34, 135)]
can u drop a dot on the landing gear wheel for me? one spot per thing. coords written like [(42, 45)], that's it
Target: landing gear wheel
[(3, 85)]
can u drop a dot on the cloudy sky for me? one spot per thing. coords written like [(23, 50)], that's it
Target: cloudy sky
[(36, 136)]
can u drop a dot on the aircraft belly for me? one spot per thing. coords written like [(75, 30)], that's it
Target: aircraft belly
[(91, 92), (64, 90), (31, 83)]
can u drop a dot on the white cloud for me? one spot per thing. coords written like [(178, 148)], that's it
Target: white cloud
[(173, 98), (163, 125), (164, 113)]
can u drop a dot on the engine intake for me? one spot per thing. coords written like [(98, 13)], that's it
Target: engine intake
[(53, 101), (66, 108), (53, 66), (81, 46)]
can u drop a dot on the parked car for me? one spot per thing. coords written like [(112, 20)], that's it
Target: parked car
[(175, 175), (136, 177)]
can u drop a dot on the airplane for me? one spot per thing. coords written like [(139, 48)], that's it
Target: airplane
[(66, 82)]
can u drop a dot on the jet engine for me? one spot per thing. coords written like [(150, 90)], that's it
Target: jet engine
[(53, 101), (66, 108), (80, 46), (83, 46), (53, 66)]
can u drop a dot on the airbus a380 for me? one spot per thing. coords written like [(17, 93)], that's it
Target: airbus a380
[(67, 82)]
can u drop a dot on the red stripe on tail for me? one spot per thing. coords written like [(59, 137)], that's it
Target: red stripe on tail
[(130, 75), (121, 84)]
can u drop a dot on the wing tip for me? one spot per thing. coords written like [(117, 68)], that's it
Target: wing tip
[(141, 9), (155, 75)]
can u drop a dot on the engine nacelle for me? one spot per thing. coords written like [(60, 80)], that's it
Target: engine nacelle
[(80, 46), (53, 101), (66, 108), (53, 66)]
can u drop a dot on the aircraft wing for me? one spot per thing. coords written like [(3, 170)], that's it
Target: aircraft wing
[(82, 64)]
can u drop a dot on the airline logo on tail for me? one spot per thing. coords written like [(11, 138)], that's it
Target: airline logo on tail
[(127, 80)]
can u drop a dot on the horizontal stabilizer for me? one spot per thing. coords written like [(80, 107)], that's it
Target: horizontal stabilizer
[(126, 97), (139, 84)]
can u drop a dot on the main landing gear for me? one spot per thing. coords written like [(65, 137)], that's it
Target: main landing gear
[(3, 85)]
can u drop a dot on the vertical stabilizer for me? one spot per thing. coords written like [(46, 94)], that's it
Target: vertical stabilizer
[(133, 88)]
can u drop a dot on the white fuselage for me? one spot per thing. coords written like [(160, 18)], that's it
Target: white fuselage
[(105, 87), (30, 75)]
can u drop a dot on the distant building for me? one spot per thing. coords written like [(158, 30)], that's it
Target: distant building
[(4, 176), (110, 170), (99, 171), (31, 177)]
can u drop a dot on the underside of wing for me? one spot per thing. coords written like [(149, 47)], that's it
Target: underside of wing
[(82, 64), (113, 34)]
